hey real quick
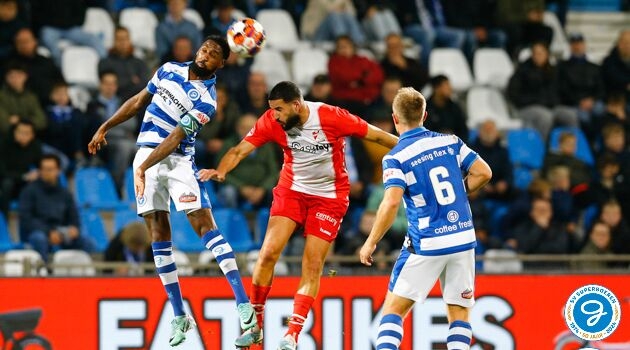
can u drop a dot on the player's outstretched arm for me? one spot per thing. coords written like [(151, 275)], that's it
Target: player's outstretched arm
[(128, 110), (381, 137), (478, 175), (385, 217), (229, 161)]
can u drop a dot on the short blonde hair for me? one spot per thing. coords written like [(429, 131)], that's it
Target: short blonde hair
[(409, 105)]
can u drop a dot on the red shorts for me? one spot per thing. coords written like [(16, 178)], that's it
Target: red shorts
[(320, 216)]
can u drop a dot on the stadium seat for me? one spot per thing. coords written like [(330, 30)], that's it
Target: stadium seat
[(129, 191), (262, 219), (526, 148), (306, 64), (272, 64), (124, 217), (79, 96), (81, 259), (583, 151), (492, 67), (210, 187), (507, 262), (184, 236), (483, 103), (235, 229), (280, 30), (99, 22), (453, 64), (559, 44), (14, 263), (79, 66), (589, 215), (6, 243), (141, 23), (93, 228), (95, 189), (194, 16), (206, 257), (183, 263)]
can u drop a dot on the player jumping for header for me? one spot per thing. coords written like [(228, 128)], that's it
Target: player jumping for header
[(425, 169), (183, 99)]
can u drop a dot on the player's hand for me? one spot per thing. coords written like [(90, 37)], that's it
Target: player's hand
[(138, 182), (211, 174), (98, 140), (365, 255)]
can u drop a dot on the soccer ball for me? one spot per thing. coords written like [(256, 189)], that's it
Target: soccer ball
[(246, 37)]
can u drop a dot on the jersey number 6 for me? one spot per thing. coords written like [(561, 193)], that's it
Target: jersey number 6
[(444, 192)]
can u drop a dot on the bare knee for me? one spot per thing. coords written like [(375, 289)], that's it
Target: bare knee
[(457, 313), (312, 267), (268, 256)]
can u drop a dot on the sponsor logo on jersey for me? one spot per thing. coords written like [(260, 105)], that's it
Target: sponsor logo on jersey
[(169, 98), (193, 94), (315, 134), (467, 294), (203, 119), (592, 312), (387, 174), (296, 146), (187, 197)]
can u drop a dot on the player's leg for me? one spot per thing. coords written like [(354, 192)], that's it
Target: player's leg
[(457, 283), (390, 331)]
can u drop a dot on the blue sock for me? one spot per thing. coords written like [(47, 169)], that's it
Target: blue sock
[(459, 336), (390, 332), (214, 241), (163, 257)]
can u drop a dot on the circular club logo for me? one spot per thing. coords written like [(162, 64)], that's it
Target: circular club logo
[(142, 200), (193, 94), (452, 216), (592, 312)]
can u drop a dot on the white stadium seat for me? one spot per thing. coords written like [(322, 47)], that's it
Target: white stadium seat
[(79, 96), (194, 16), (453, 64), (508, 262), (484, 103), (559, 44), (80, 258), (183, 263), (280, 29), (273, 65), (79, 65), (141, 23), (306, 64), (99, 22), (14, 262), (492, 67)]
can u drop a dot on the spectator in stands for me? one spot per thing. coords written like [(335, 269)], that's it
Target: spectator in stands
[(612, 216), (396, 64), (598, 243), (614, 142), (565, 156), (19, 158), (580, 82), (253, 6), (360, 172), (17, 102), (423, 21), (533, 89), (131, 71), (522, 21), (223, 126), (42, 71), (173, 26), (49, 220), (616, 66), (325, 20), (121, 141), (320, 90), (255, 101), (382, 107), (445, 115), (249, 185), (564, 209), (10, 24), (63, 19), (181, 51), (616, 113), (477, 19), (489, 147), (378, 18), (221, 18), (133, 246), (65, 125), (356, 80), (521, 205), (235, 74), (608, 185)]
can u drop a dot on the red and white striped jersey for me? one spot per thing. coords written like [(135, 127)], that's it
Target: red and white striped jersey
[(314, 160)]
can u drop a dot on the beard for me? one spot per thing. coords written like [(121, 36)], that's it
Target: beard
[(291, 122), (201, 72)]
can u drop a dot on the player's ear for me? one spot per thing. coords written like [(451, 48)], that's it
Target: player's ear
[(395, 118), (425, 116)]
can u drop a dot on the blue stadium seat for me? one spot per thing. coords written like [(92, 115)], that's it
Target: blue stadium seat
[(95, 189), (212, 193), (590, 216), (129, 192), (184, 237), (235, 229), (522, 177), (526, 148), (92, 227), (583, 151), (6, 243), (262, 218), (123, 217)]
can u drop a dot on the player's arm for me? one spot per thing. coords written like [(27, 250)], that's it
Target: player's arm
[(385, 217), (381, 137), (128, 110), (478, 175), (229, 161)]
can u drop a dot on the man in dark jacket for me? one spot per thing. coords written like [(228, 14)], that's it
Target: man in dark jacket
[(10, 23), (48, 214), (445, 115), (488, 146), (616, 67)]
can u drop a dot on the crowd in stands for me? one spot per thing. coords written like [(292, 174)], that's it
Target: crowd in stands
[(570, 193)]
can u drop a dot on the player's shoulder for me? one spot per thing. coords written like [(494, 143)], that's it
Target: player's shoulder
[(178, 68)]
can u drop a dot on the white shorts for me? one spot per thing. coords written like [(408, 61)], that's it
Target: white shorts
[(173, 177), (414, 276)]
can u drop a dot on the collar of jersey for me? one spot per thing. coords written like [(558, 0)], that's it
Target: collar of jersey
[(413, 132)]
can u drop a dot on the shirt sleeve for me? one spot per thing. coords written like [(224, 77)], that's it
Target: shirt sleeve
[(466, 156), (349, 124), (153, 84), (392, 173), (262, 132)]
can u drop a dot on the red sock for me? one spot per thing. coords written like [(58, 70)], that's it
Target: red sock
[(301, 306), (259, 297)]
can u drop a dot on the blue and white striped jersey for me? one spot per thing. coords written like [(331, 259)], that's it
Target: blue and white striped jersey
[(177, 100), (429, 167)]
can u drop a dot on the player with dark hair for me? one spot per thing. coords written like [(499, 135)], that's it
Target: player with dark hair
[(425, 169), (183, 99), (312, 191)]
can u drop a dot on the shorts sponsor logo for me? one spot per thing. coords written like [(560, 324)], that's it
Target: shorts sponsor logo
[(592, 312), (326, 232), (326, 217), (452, 216), (193, 94), (187, 198), (467, 294), (141, 200)]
